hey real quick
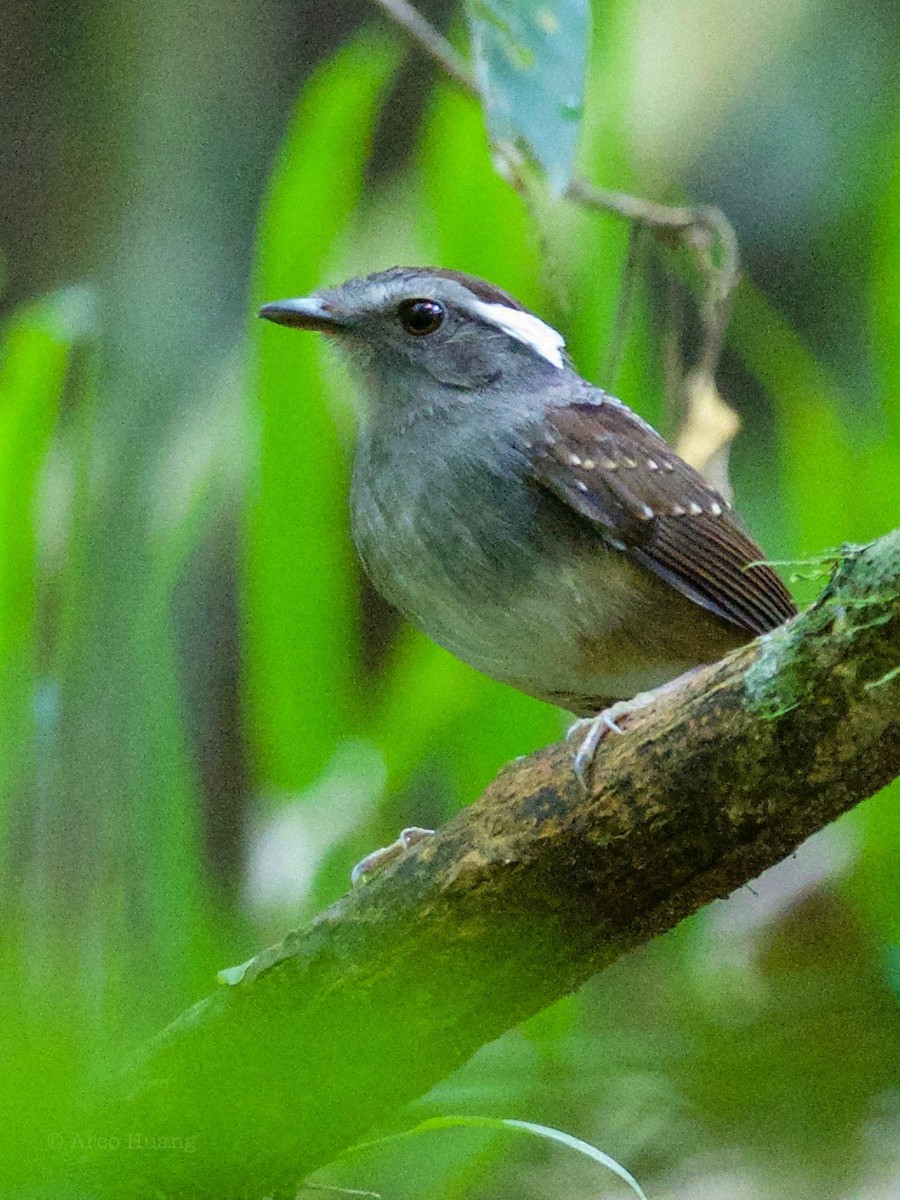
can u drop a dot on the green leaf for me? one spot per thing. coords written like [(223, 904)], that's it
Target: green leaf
[(34, 359), (300, 578), (504, 1123), (530, 67)]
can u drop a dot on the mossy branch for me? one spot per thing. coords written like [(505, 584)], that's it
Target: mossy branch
[(519, 900)]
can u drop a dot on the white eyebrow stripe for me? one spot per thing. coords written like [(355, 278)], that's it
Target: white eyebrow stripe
[(525, 327)]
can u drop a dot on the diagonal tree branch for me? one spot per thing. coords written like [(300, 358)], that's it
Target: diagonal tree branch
[(517, 901)]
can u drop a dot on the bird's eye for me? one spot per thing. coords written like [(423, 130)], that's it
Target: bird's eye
[(419, 317)]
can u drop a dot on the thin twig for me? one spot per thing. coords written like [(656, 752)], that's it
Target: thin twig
[(672, 357), (698, 226), (624, 304), (431, 41)]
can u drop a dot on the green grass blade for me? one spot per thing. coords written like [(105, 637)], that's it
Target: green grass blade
[(470, 204), (502, 1124), (299, 602), (34, 358)]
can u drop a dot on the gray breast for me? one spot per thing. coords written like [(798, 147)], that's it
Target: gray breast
[(442, 529), (478, 558)]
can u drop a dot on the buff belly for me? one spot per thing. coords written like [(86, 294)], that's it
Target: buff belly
[(595, 629), (522, 589)]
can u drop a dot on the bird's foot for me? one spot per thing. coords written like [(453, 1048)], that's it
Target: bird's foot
[(597, 728), (379, 859), (592, 730)]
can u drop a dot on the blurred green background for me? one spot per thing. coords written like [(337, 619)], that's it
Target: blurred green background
[(206, 716)]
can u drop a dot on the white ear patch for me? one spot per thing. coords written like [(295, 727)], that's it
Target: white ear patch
[(525, 327)]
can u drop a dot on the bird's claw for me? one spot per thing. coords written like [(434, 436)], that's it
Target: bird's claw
[(379, 859), (597, 728)]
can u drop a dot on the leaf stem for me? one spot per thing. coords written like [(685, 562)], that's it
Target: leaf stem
[(429, 39), (701, 227)]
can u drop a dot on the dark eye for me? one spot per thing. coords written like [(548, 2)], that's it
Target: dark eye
[(419, 317)]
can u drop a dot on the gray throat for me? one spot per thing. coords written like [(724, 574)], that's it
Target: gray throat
[(439, 506)]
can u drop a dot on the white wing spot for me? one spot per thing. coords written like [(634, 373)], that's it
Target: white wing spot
[(525, 327), (628, 462), (610, 464), (646, 513), (652, 464), (581, 485), (715, 509), (678, 511), (696, 510), (574, 460), (589, 464)]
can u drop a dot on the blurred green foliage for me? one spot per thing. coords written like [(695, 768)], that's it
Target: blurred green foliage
[(205, 715)]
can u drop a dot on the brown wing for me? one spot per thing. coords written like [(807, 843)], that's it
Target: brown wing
[(613, 469)]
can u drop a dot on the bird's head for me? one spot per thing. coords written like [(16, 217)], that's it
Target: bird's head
[(420, 330)]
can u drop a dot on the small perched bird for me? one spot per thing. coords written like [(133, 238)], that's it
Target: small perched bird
[(523, 518)]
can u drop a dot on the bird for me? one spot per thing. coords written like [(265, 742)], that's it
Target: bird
[(522, 517)]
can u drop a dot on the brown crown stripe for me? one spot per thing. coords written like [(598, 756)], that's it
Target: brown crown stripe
[(483, 291)]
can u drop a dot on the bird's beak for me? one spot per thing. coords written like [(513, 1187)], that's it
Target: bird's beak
[(309, 312)]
